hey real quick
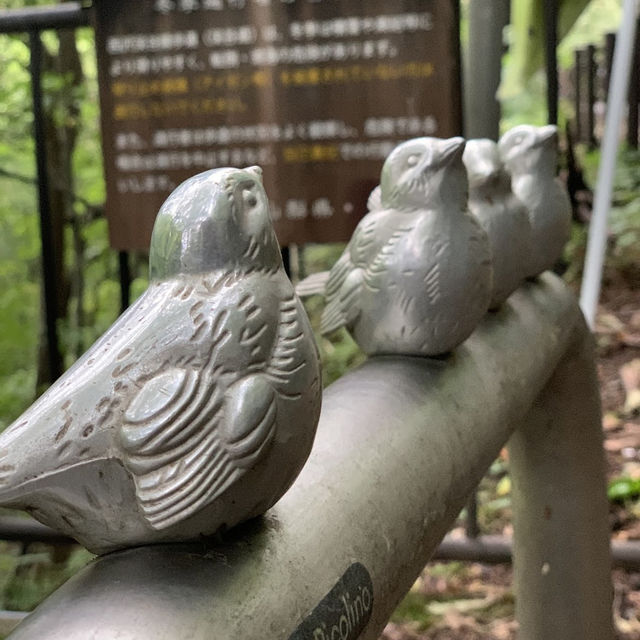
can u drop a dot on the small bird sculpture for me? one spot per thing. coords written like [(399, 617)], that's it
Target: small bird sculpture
[(501, 215), (415, 277), (530, 156), (198, 407)]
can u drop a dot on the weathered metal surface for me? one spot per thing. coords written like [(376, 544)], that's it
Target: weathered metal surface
[(530, 156), (198, 407), (503, 217), (560, 507), (499, 549), (64, 16), (401, 444), (9, 620), (24, 529), (483, 67), (416, 276)]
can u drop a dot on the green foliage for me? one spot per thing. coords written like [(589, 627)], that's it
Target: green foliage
[(600, 17), (19, 301), (623, 489), (338, 352), (414, 607), (523, 87), (527, 35), (20, 267), (624, 216), (574, 252), (527, 106), (30, 577)]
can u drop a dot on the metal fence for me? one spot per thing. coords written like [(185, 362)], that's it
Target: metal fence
[(588, 89)]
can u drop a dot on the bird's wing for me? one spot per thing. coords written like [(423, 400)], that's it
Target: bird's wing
[(192, 431), (346, 277), (375, 271), (344, 306)]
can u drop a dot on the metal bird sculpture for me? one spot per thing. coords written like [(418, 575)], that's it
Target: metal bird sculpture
[(415, 277), (198, 407), (316, 283), (530, 156), (501, 215)]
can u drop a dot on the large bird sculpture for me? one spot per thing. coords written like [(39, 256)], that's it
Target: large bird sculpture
[(198, 407)]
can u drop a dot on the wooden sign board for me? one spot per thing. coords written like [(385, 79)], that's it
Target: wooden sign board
[(316, 92)]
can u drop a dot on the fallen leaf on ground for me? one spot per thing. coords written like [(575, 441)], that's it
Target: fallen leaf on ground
[(608, 323), (630, 339), (460, 606), (610, 421), (618, 444), (630, 376)]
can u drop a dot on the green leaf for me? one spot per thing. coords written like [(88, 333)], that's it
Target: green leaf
[(622, 489), (527, 34)]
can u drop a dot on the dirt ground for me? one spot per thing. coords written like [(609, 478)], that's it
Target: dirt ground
[(456, 601)]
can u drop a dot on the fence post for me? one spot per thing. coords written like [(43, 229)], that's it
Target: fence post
[(577, 83), (561, 537), (49, 257), (609, 47), (634, 94), (550, 11), (591, 94), (487, 19), (124, 271)]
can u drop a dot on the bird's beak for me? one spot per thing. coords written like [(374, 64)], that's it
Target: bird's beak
[(547, 136), (452, 149)]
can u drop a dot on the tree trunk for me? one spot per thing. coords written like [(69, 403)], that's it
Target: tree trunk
[(61, 130)]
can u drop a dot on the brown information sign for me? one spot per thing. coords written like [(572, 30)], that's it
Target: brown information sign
[(316, 92)]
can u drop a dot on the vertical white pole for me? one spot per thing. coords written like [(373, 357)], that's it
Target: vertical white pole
[(596, 246)]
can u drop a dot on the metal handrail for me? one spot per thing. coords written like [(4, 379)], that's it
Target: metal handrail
[(401, 444), (67, 15)]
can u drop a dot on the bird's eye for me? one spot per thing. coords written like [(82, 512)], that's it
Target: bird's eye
[(412, 160), (249, 197)]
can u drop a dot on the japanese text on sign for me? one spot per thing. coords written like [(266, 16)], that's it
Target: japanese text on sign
[(317, 92)]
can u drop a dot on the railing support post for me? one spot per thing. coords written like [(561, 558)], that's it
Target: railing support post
[(561, 539), (49, 258)]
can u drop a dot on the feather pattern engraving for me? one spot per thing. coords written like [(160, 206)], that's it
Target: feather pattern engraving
[(415, 262), (198, 407)]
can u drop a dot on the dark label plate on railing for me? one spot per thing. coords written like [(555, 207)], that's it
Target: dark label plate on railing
[(316, 92), (344, 612)]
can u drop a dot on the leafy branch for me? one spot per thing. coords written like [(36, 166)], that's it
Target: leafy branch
[(92, 212)]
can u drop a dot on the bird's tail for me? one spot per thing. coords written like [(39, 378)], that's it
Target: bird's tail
[(315, 284), (12, 493)]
